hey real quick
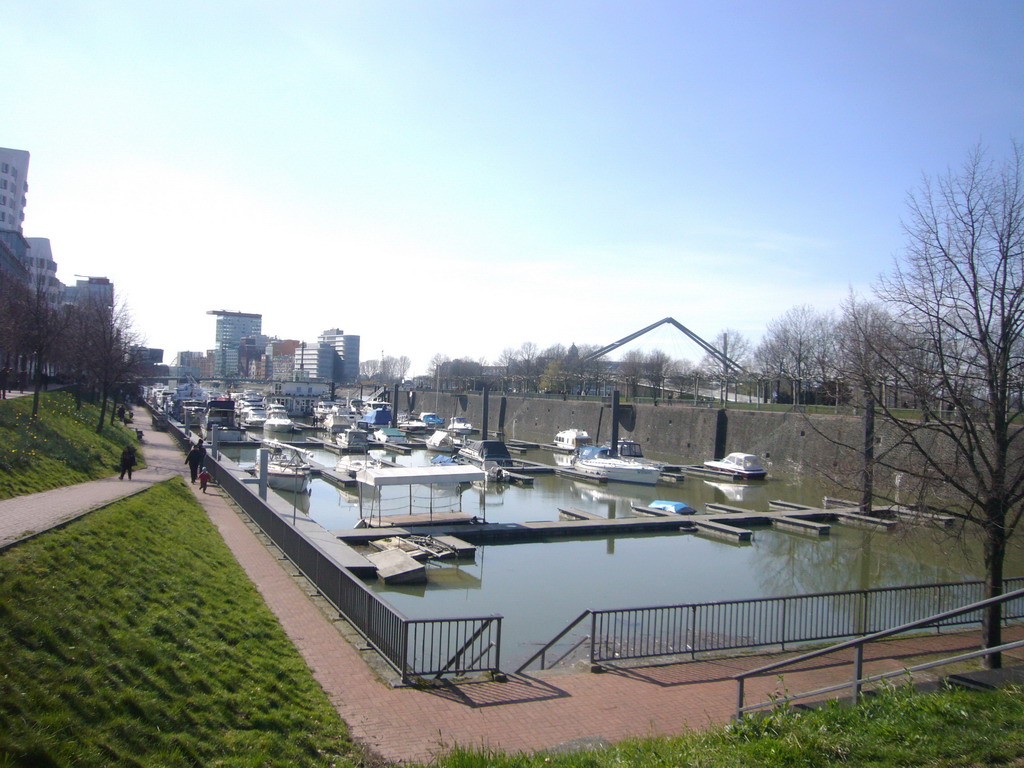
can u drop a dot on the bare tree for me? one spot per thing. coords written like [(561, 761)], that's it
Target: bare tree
[(957, 306), (36, 325), (402, 366), (369, 369), (787, 348), (658, 367), (528, 364), (108, 342), (733, 346), (631, 370)]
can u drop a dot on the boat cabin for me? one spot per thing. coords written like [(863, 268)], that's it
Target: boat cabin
[(571, 439)]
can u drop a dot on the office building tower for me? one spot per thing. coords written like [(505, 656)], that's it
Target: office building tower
[(231, 328)]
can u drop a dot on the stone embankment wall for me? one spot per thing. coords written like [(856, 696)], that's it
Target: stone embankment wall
[(789, 443)]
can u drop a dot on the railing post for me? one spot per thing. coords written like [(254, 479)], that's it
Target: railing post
[(404, 651), (693, 632), (739, 696), (593, 637), (783, 619), (858, 670)]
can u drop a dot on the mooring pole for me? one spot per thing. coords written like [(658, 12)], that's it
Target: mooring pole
[(615, 422), (487, 395)]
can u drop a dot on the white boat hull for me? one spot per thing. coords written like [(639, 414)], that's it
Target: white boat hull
[(602, 469), (293, 482)]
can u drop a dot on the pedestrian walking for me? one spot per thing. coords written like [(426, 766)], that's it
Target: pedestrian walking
[(195, 459), (127, 460), (204, 479), (5, 374)]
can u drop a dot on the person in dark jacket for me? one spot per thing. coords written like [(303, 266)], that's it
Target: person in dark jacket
[(195, 459), (127, 460)]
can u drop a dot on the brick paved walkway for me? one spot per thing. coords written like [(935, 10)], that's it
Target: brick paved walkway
[(523, 714)]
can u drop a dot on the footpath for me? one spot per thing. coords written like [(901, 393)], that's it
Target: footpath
[(527, 713)]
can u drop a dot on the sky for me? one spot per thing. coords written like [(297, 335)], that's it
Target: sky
[(459, 178)]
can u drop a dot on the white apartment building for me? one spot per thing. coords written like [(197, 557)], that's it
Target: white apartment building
[(13, 188)]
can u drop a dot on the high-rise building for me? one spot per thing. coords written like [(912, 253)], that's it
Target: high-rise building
[(89, 290), (13, 188), (232, 327), (346, 349), (315, 361)]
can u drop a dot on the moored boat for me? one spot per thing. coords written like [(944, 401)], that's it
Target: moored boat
[(571, 439), (601, 463), (353, 439), (486, 454), (432, 420), (442, 441), (460, 425), (745, 466), (278, 419), (288, 467)]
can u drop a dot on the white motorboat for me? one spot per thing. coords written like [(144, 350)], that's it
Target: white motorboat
[(388, 435), (630, 449), (278, 419), (460, 425), (601, 463), (443, 441), (353, 439), (288, 467), (571, 439), (338, 420), (412, 425), (352, 463), (742, 466), (254, 416), (321, 409)]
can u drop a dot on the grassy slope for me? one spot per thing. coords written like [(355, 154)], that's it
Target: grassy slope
[(60, 447), (132, 637), (898, 728)]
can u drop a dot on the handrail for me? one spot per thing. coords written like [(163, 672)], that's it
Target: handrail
[(858, 643), (547, 646)]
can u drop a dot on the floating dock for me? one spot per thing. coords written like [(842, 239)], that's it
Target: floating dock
[(699, 470)]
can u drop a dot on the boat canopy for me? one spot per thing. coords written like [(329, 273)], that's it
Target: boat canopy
[(381, 476), (378, 417)]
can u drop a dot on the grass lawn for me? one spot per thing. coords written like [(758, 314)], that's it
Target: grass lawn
[(59, 447), (952, 729), (132, 637)]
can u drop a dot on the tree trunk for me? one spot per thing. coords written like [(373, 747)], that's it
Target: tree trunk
[(995, 554), (103, 410), (37, 386), (868, 471)]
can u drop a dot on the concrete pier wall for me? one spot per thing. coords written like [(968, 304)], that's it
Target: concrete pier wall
[(787, 442)]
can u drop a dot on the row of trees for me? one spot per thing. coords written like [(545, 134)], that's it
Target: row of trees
[(89, 345)]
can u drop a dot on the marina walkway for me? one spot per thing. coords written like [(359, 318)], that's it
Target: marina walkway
[(527, 713)]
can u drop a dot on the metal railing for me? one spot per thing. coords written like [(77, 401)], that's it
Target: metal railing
[(412, 647), (955, 616), (691, 628)]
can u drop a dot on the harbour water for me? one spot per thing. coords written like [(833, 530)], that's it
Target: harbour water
[(539, 587)]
